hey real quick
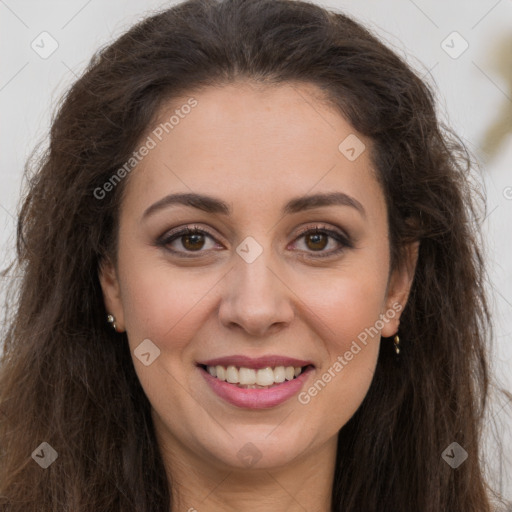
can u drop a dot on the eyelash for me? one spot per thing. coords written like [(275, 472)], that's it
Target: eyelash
[(342, 239)]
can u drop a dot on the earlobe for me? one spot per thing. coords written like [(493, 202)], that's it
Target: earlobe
[(109, 282), (399, 288)]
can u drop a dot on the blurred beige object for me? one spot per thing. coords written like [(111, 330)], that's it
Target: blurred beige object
[(497, 131)]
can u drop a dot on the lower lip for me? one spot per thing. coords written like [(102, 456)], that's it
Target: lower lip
[(256, 398)]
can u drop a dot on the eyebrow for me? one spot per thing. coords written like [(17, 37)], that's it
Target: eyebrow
[(211, 204)]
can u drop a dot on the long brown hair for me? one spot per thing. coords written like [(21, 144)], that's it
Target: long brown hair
[(68, 380)]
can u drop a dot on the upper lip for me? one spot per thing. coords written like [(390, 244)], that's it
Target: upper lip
[(255, 362)]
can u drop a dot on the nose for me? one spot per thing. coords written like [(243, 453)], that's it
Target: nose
[(256, 298)]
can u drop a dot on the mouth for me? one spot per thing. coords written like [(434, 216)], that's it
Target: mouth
[(256, 383), (246, 377)]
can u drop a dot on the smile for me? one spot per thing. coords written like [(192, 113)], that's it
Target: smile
[(250, 378), (263, 383)]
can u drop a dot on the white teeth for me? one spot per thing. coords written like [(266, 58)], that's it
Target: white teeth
[(289, 372), (252, 378), (280, 374), (232, 374), (247, 376), (265, 377), (221, 372)]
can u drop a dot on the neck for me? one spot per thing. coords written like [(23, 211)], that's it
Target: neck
[(200, 485)]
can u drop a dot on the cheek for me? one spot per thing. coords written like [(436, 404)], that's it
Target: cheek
[(167, 307), (346, 303), (348, 312), (162, 303)]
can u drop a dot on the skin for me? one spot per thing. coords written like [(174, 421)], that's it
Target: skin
[(255, 148)]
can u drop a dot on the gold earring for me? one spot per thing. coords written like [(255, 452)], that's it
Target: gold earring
[(396, 341), (112, 320)]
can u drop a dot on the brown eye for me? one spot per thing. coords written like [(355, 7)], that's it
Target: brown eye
[(187, 240), (193, 242), (317, 241)]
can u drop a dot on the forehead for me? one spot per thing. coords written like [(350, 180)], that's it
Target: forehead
[(244, 141)]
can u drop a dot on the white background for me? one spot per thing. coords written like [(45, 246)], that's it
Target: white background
[(474, 90)]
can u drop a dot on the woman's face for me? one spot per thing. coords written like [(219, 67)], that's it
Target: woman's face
[(263, 165)]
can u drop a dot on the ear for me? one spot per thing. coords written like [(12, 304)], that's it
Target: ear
[(399, 287), (109, 282)]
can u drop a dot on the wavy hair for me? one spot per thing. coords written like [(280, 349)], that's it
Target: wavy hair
[(67, 379)]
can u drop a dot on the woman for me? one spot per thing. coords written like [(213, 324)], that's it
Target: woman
[(251, 280)]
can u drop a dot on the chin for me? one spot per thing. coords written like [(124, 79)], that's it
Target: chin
[(264, 449)]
